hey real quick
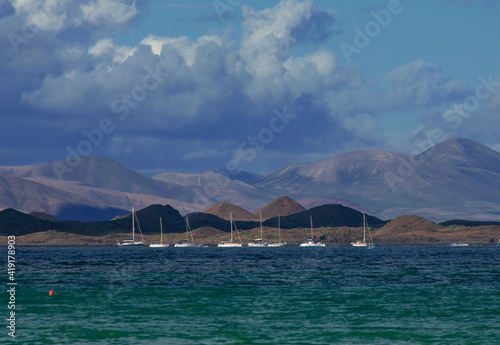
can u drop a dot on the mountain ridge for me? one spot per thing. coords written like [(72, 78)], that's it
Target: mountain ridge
[(457, 178)]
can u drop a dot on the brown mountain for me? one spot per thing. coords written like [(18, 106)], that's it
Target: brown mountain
[(95, 189), (413, 230), (457, 178), (222, 210), (282, 206)]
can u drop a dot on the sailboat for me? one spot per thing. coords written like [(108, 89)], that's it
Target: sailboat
[(132, 241), (186, 243), (229, 244), (258, 241), (363, 243), (309, 242), (459, 244), (279, 244), (161, 244)]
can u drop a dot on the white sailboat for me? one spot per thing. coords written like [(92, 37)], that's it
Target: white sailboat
[(279, 244), (364, 243), (258, 242), (132, 241), (186, 243), (161, 244), (309, 242), (230, 244)]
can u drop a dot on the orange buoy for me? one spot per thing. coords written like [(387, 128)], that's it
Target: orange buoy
[(51, 293)]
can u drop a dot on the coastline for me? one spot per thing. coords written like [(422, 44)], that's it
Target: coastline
[(389, 235)]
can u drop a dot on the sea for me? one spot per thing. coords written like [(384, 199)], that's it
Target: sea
[(290, 295)]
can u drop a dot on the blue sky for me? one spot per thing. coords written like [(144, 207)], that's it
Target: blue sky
[(189, 86)]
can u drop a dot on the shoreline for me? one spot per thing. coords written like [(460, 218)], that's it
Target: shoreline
[(398, 235)]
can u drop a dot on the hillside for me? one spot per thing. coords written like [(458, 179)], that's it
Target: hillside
[(413, 230), (218, 186), (44, 216), (35, 196), (96, 189), (455, 179), (223, 210), (282, 206), (334, 215), (15, 223)]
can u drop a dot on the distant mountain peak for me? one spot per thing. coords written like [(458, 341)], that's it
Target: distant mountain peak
[(458, 151)]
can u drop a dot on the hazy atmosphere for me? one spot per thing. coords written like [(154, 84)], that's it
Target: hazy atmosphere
[(194, 85)]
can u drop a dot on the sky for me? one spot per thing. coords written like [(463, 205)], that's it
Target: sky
[(188, 86)]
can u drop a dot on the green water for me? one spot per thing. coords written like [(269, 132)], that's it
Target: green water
[(333, 295)]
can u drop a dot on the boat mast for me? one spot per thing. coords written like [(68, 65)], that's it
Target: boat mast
[(231, 221), (161, 231), (133, 225), (261, 225), (312, 234), (279, 228), (364, 229), (188, 231)]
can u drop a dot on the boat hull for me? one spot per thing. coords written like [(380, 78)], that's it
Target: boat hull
[(184, 245), (257, 244), (277, 245), (158, 245), (229, 245), (130, 244), (315, 244)]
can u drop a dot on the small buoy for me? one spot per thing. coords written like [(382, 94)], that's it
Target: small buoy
[(51, 293)]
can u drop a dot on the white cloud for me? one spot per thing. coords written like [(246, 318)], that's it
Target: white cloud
[(58, 15), (421, 84), (108, 46), (108, 11), (212, 88), (49, 15)]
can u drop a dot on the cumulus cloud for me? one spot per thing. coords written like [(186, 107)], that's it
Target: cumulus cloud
[(207, 78), (57, 15), (108, 11), (422, 84), (173, 92)]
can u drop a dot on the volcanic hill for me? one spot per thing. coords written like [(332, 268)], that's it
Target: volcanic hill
[(222, 210), (283, 206)]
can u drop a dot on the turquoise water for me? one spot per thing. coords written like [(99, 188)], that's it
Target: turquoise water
[(332, 295)]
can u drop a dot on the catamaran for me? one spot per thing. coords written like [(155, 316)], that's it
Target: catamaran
[(161, 244), (309, 242), (229, 244), (279, 244), (132, 241), (258, 242), (186, 243)]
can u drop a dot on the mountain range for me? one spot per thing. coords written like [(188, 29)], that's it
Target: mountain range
[(457, 178), (13, 222)]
